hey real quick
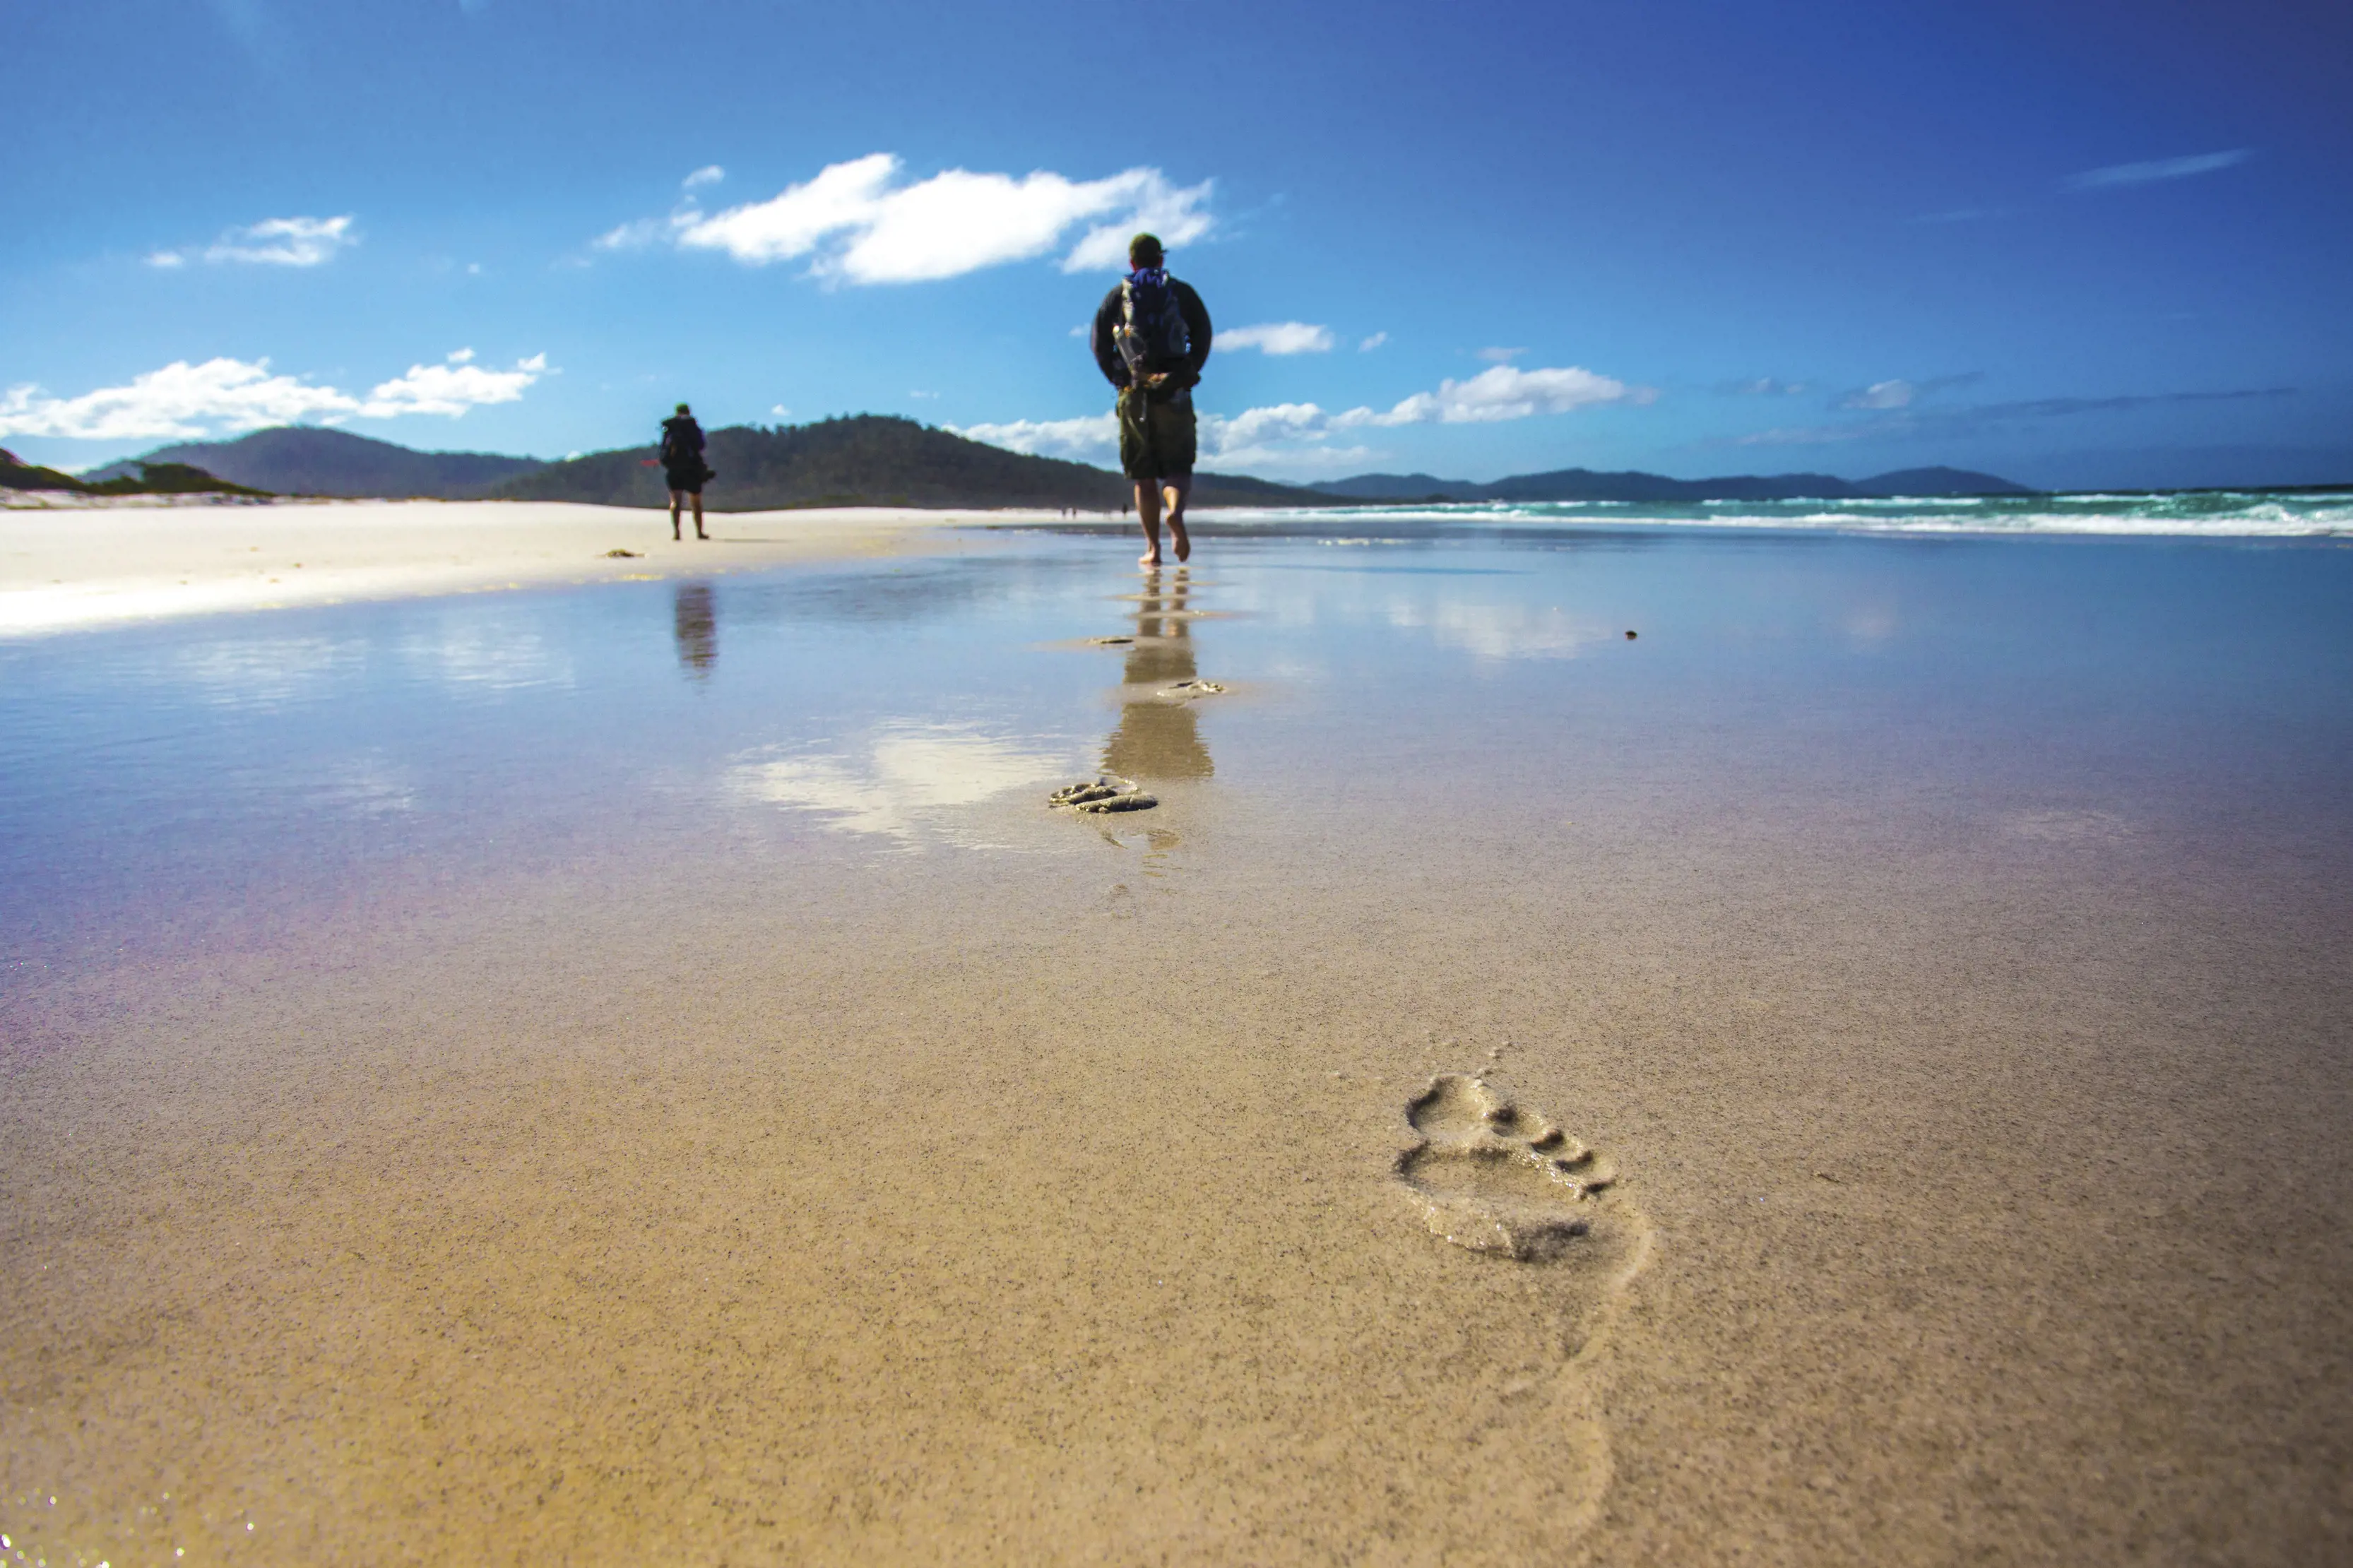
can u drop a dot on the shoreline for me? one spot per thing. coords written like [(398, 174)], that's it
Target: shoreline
[(83, 567)]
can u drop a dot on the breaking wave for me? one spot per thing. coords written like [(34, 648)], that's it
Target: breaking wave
[(2193, 514)]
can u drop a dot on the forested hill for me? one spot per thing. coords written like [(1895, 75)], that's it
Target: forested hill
[(304, 459), (867, 459)]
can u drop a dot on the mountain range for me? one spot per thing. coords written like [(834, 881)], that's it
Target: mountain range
[(878, 460), (1585, 484), (309, 460), (868, 460)]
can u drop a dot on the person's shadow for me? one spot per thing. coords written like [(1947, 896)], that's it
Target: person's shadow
[(695, 623), (1157, 738)]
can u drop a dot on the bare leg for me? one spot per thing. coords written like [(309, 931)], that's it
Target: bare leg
[(1178, 489), (676, 499), (697, 516), (1148, 512)]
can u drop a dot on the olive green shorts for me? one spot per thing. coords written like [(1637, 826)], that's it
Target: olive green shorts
[(1155, 437)]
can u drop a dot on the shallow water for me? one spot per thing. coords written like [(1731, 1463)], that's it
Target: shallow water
[(642, 1069), (928, 704)]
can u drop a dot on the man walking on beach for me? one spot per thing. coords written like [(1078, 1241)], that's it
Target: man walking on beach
[(1151, 339), (681, 461)]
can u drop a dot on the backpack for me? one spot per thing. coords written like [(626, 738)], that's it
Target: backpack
[(1151, 335), (678, 448)]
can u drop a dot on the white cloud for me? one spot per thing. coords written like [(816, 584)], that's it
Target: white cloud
[(2161, 169), (166, 259), (636, 234), (709, 175), (1082, 440), (781, 412), (286, 241), (452, 389), (180, 400), (1896, 393), (855, 222), (911, 782), (1501, 356), (188, 402), (1370, 344), (1767, 386), (1299, 434), (1503, 393), (1279, 337)]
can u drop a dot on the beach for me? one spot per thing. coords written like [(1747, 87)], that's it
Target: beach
[(65, 565), (1617, 1045)]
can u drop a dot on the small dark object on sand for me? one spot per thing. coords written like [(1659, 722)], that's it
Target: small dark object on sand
[(623, 554), (1110, 642), (1630, 637), (1102, 794)]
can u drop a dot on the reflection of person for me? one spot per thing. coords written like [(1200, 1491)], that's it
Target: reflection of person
[(1151, 340), (1157, 738), (683, 466), (695, 621)]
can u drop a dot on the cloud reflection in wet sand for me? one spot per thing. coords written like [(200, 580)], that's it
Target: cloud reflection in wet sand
[(1501, 631), (911, 781)]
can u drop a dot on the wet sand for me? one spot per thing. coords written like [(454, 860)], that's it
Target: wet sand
[(1978, 1136)]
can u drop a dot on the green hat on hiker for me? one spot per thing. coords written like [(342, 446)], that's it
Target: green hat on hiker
[(1144, 250)]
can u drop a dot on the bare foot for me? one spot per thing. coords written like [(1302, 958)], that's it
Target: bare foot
[(1182, 541), (1149, 559)]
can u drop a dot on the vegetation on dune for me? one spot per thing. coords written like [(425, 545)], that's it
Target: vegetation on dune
[(151, 479), (866, 459)]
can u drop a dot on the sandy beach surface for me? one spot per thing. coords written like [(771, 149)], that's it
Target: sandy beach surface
[(1855, 1074), (64, 567)]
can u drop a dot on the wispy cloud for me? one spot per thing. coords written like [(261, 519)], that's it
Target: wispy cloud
[(187, 402), (1966, 418), (1299, 434), (1370, 344), (1765, 386), (1279, 337), (1898, 392), (2150, 173), (284, 242), (709, 175), (860, 222), (1501, 356)]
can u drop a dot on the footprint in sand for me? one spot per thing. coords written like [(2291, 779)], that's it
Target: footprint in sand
[(1494, 1177)]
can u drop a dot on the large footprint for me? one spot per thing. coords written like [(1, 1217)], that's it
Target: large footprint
[(1493, 1177)]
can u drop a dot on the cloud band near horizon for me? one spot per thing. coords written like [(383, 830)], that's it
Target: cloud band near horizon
[(188, 402), (1297, 434)]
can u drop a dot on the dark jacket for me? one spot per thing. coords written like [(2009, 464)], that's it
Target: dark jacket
[(1197, 327)]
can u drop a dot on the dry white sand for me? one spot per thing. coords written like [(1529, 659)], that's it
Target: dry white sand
[(65, 567)]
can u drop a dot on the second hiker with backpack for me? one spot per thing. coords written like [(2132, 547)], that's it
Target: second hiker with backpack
[(1151, 339), (683, 467)]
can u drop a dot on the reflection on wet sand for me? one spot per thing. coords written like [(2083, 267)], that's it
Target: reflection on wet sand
[(695, 621), (1159, 739)]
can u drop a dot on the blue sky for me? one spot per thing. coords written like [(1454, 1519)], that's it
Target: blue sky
[(2079, 245)]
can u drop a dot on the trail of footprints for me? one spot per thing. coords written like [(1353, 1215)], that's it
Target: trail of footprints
[(1493, 1177)]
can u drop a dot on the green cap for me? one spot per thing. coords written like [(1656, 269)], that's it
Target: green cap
[(1145, 248)]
